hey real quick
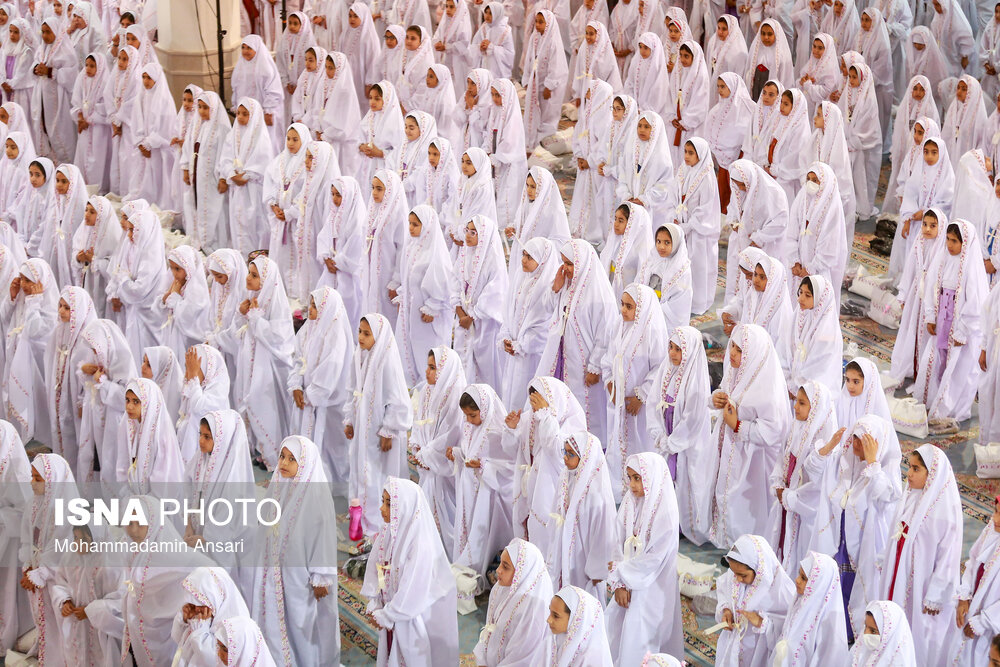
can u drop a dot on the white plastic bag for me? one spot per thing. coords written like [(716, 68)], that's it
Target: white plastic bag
[(988, 460), (468, 584), (864, 284), (885, 308), (696, 578), (909, 416)]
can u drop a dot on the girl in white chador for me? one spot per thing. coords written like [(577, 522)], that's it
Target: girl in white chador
[(759, 216), (544, 78), (256, 76), (754, 597), (628, 245), (593, 191), (283, 181), (576, 619), (492, 47), (645, 614), (541, 213), (829, 146), (698, 210), (975, 619), (149, 457), (891, 640), (383, 232), (55, 71), (817, 228), (15, 477), (863, 132), (677, 415), (211, 592), (243, 643), (246, 153), (797, 478), (206, 207), (264, 344), (206, 388), (755, 418), (646, 174), (411, 588), (89, 109), (504, 141), (515, 632), (438, 423), (814, 630), (341, 242), (159, 364), (94, 243), (382, 131), (185, 305), (294, 595), (379, 417), (55, 244), (816, 346), (583, 542), (151, 122), (318, 381), (920, 570)]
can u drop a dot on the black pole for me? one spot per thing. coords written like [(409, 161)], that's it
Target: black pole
[(219, 34), (284, 14)]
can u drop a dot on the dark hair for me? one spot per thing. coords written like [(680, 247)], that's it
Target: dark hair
[(854, 366), (995, 642), (807, 282), (127, 15), (565, 606), (531, 390), (663, 228), (956, 230), (723, 20), (416, 29), (929, 213), (365, 320), (378, 88), (788, 94), (466, 402), (687, 49), (921, 458), (204, 422), (41, 167), (90, 57), (626, 211)]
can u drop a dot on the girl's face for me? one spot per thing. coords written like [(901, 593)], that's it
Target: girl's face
[(309, 161), (375, 100), (433, 156), (838, 8), (801, 582), (65, 312), (90, 67), (36, 176), (916, 476), (759, 278), (133, 406), (497, 97), (468, 169), (412, 40), (147, 81), (146, 370), (590, 35), (219, 277), (338, 199), (818, 121), (187, 100), (473, 416), (673, 31), (287, 465), (954, 244), (311, 64), (854, 382), (931, 153), (918, 92), (644, 51), (722, 30), (723, 89), (802, 405), (918, 134), (411, 129), (675, 353), (378, 190), (690, 155), (806, 300), (243, 116), (735, 355), (415, 226), (570, 457), (488, 15), (37, 482), (628, 308), (866, 23), (132, 40), (767, 35), (206, 442), (530, 188), (618, 110), (450, 8), (857, 448), (540, 24), (471, 235), (353, 19), (313, 311), (871, 628), (929, 228), (293, 142), (294, 24), (390, 40), (621, 222), (10, 149), (137, 532), (204, 112), (47, 35), (386, 509), (366, 339), (769, 95), (664, 243), (330, 67), (962, 91), (819, 48), (853, 77), (786, 105), (247, 52), (431, 79), (123, 59), (130, 230), (644, 130), (558, 619), (253, 278), (431, 373), (90, 216), (528, 263), (568, 267), (505, 573), (742, 573), (635, 483), (686, 57)]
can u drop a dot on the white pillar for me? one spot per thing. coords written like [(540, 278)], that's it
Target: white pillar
[(188, 46)]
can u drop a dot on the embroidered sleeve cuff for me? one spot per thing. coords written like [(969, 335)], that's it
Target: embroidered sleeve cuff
[(382, 433), (977, 626), (872, 469)]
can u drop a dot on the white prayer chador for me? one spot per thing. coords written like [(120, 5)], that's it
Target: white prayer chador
[(624, 254), (476, 195), (727, 54), (99, 241), (585, 641), (381, 409), (816, 228), (362, 47), (514, 632), (593, 192), (647, 170), (787, 149), (759, 215), (165, 371), (965, 122), (264, 348), (282, 187), (246, 153), (862, 498), (629, 368), (929, 61), (258, 78), (313, 202), (777, 58), (955, 37), (757, 139), (440, 102), (595, 62), (646, 78), (185, 313), (545, 215), (895, 645), (698, 210), (103, 400), (791, 522), (290, 50), (814, 630), (921, 565), (728, 121), (670, 277), (645, 564), (677, 415), (201, 396), (52, 124), (818, 77), (748, 455), (583, 519), (875, 47), (139, 277), (414, 65), (482, 281), (225, 299), (300, 555), (829, 146), (482, 494), (454, 32), (149, 457), (15, 494), (498, 57), (31, 319), (527, 319), (623, 28), (202, 158), (428, 287), (816, 345), (64, 389), (21, 57), (582, 333), (437, 424), (978, 587), (244, 643), (32, 208), (863, 132), (504, 142), (334, 112), (928, 186), (871, 400), (410, 587), (620, 136), (410, 156), (210, 587), (381, 129), (769, 595), (15, 173), (909, 111), (151, 123), (341, 242), (384, 233), (438, 185), (89, 100), (688, 98), (973, 186)]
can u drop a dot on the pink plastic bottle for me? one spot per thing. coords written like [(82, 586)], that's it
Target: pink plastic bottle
[(354, 510)]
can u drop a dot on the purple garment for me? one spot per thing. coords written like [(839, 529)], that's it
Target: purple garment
[(843, 558), (560, 362), (10, 66), (945, 317), (668, 425)]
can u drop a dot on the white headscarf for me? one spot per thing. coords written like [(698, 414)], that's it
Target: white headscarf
[(225, 299), (771, 308), (149, 450), (895, 646), (227, 467), (643, 523), (872, 400), (929, 62), (674, 270), (384, 128), (525, 303), (546, 215), (729, 55), (791, 133), (244, 643), (647, 76), (817, 344), (104, 237), (815, 622), (596, 62), (631, 248), (760, 211), (844, 28), (362, 46), (251, 145), (167, 374), (930, 185), (776, 58), (729, 120), (965, 122), (585, 641), (60, 376)]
